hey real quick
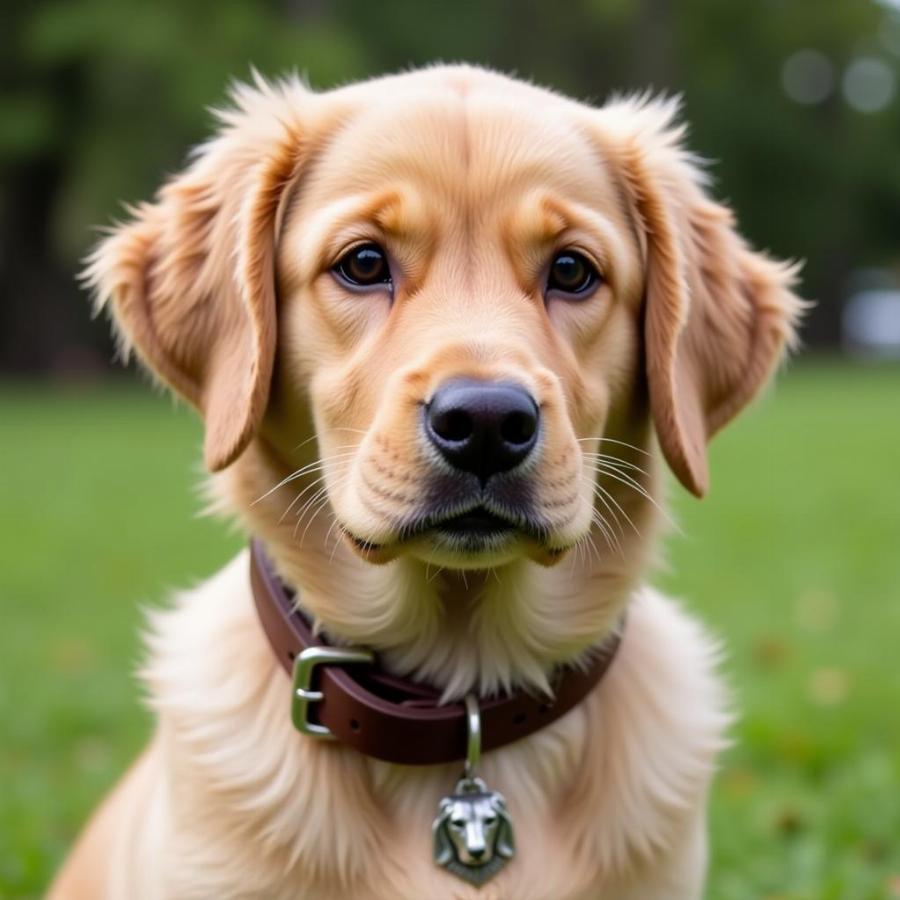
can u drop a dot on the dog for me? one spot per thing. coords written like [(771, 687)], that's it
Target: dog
[(444, 328)]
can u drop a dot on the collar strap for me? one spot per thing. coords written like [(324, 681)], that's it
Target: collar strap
[(341, 693)]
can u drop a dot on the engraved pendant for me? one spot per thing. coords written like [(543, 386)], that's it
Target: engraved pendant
[(473, 834)]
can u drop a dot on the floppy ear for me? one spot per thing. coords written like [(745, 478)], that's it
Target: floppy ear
[(506, 842), (717, 315), (443, 849), (191, 279)]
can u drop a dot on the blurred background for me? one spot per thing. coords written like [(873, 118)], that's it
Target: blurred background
[(793, 559)]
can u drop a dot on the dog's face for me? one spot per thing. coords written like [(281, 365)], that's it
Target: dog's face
[(459, 311), (473, 828), (460, 286)]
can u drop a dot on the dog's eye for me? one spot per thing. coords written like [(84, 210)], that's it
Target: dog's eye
[(364, 266), (572, 273)]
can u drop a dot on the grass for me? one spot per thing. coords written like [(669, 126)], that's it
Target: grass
[(793, 560)]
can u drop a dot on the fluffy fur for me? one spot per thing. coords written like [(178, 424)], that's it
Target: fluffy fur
[(311, 396)]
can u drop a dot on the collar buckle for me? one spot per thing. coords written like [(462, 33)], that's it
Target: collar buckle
[(302, 694)]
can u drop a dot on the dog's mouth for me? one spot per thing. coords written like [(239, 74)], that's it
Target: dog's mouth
[(476, 532), (473, 528), (478, 523)]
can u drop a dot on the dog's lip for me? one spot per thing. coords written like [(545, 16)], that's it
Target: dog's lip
[(476, 521), (362, 544)]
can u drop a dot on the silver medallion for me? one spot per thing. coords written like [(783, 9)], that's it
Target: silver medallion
[(473, 834)]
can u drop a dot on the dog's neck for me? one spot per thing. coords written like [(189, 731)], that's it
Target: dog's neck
[(457, 630)]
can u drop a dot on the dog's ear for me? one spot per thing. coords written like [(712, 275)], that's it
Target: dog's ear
[(190, 280), (717, 315), (506, 843), (443, 849)]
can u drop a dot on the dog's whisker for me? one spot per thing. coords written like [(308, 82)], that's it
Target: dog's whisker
[(628, 481), (616, 461), (608, 536), (604, 525), (312, 437), (591, 548), (615, 530), (337, 537), (606, 497), (339, 479), (580, 556), (604, 528), (609, 440), (313, 500), (298, 473), (322, 504), (296, 499), (305, 470), (334, 428), (337, 456), (310, 504)]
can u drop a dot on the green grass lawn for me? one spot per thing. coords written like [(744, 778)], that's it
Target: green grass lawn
[(794, 560)]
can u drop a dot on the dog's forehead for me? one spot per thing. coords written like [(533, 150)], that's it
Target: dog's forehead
[(475, 144), (475, 805)]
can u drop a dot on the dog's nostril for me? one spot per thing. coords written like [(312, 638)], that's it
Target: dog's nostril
[(518, 428), (453, 425)]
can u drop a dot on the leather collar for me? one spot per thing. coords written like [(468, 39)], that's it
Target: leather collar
[(396, 719)]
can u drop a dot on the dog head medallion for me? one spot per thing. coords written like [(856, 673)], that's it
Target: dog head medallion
[(473, 835)]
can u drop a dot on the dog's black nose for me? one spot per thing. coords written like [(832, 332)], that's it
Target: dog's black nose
[(482, 427)]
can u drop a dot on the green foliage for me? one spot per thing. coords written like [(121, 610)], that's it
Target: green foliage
[(792, 560), (104, 97), (117, 90)]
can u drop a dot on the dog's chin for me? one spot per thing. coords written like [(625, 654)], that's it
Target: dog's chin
[(454, 550)]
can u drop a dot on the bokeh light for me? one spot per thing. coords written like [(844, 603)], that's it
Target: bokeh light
[(869, 84), (808, 77)]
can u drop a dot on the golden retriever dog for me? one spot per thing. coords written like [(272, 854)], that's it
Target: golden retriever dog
[(443, 329)]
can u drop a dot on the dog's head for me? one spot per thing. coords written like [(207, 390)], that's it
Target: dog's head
[(478, 298), (472, 828)]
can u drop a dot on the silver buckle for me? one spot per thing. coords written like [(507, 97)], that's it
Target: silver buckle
[(302, 696)]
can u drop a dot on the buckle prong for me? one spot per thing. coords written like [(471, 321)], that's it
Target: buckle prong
[(302, 694)]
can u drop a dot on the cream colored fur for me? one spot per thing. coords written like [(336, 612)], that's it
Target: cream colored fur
[(222, 286), (607, 802)]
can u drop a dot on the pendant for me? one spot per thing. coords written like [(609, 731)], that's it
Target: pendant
[(473, 834)]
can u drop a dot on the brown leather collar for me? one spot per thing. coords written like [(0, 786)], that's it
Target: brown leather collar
[(396, 719)]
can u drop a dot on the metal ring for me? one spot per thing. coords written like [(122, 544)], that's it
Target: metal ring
[(473, 744)]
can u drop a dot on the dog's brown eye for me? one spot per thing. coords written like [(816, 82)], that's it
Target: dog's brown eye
[(364, 266), (572, 273)]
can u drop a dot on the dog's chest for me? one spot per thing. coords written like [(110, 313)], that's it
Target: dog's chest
[(257, 810), (533, 776), (346, 826)]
